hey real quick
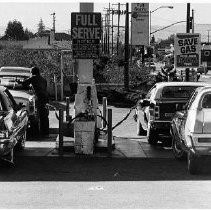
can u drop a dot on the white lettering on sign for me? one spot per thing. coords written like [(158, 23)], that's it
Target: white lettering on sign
[(85, 20), (86, 33)]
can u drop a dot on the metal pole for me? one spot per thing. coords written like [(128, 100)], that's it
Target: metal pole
[(192, 20), (117, 44), (187, 70), (62, 78), (112, 33), (109, 29), (61, 131), (150, 26), (55, 85), (104, 110), (109, 143), (67, 108), (126, 69)]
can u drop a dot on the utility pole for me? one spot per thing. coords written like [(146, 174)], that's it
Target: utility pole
[(192, 20), (54, 21), (112, 33), (187, 70), (108, 29), (126, 66)]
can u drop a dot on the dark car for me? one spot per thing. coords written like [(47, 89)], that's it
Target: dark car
[(13, 125), (156, 110), (191, 130), (25, 95)]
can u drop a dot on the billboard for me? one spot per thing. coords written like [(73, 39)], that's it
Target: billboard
[(187, 50), (86, 35), (140, 24)]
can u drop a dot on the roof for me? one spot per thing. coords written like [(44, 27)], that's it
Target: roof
[(7, 70), (163, 84)]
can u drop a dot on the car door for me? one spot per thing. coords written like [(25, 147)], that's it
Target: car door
[(16, 120)]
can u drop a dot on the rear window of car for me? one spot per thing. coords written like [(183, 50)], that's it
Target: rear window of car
[(206, 103), (177, 91)]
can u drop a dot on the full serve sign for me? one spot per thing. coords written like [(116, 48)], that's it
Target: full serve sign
[(187, 50), (86, 35)]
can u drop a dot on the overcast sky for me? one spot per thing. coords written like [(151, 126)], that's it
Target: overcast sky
[(29, 12)]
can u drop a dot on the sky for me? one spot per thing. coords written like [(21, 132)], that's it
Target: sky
[(29, 12)]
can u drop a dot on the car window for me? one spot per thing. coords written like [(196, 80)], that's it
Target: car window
[(177, 91), (206, 102), (6, 102)]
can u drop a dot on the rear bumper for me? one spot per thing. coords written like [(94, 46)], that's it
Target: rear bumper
[(162, 127)]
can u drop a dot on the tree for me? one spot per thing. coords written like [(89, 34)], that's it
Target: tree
[(41, 26), (15, 30), (28, 34)]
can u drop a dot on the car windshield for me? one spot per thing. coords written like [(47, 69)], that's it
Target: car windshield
[(177, 91)]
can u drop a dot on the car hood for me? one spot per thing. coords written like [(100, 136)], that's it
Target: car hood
[(21, 94)]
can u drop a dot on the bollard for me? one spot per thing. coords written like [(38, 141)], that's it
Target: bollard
[(67, 108), (109, 143), (104, 110), (61, 112)]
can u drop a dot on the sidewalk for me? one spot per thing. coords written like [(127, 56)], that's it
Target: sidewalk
[(124, 148)]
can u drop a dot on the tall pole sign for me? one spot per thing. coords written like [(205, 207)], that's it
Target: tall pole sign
[(140, 24), (86, 35)]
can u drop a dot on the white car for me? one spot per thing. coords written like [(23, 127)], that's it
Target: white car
[(25, 95), (191, 129)]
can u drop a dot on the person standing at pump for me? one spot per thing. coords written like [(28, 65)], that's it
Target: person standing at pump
[(39, 85)]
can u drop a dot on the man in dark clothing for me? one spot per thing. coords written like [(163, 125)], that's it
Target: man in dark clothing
[(39, 85)]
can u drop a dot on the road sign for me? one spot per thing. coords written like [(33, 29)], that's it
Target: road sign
[(140, 24), (187, 50), (86, 35)]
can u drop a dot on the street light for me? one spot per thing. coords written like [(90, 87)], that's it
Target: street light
[(150, 12)]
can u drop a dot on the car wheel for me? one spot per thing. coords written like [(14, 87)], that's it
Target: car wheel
[(179, 153), (193, 166), (152, 137), (21, 142), (140, 130)]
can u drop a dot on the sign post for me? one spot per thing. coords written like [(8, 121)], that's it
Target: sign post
[(187, 53)]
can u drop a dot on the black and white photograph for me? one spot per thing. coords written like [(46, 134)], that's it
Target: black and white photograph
[(105, 104)]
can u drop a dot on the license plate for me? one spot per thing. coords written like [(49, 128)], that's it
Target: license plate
[(169, 114)]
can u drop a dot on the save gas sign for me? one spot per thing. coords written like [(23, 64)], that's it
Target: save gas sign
[(86, 35), (187, 50)]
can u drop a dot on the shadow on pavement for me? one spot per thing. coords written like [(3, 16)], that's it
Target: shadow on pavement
[(99, 169)]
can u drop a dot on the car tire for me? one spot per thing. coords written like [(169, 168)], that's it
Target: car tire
[(152, 137), (179, 153), (193, 165), (21, 142), (140, 130)]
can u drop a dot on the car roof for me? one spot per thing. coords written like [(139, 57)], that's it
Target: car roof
[(15, 70), (163, 84)]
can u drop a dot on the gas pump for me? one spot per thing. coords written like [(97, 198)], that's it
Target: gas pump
[(86, 103)]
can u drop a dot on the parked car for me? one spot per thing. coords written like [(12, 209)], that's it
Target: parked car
[(25, 95), (13, 125), (191, 130), (154, 113)]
